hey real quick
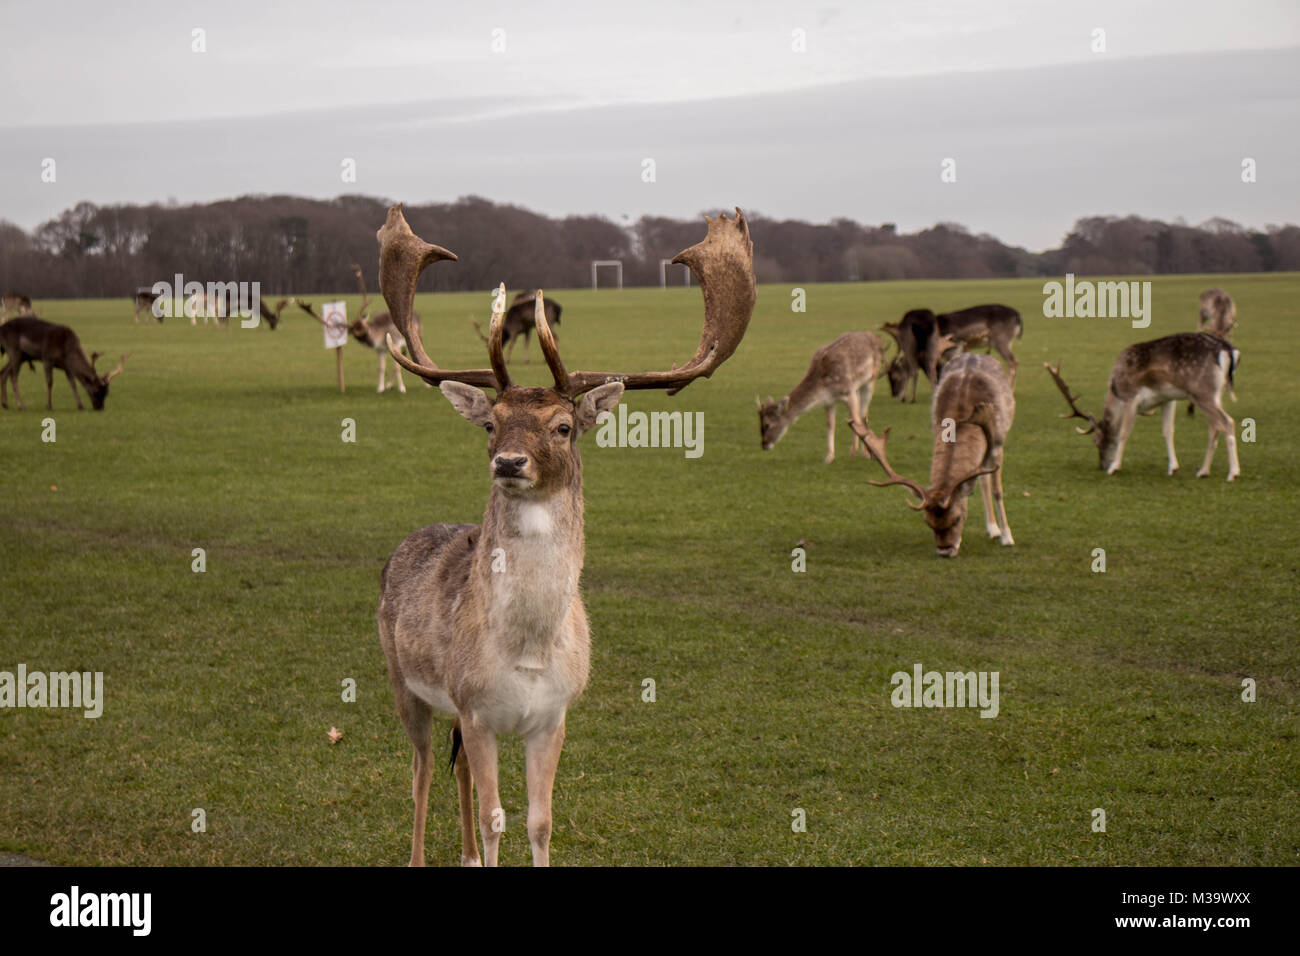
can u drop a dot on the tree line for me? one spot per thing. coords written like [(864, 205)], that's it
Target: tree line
[(292, 244)]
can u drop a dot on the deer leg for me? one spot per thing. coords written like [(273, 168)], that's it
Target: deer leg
[(465, 797), (1220, 421), (542, 756), (855, 413), (13, 374), (72, 384), (481, 751), (998, 497), (915, 374), (1005, 351), (382, 365), (397, 370), (1167, 428), (1125, 427), (830, 433), (990, 515), (417, 718)]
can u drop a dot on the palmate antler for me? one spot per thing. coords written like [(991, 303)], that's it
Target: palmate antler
[(1075, 412), (723, 264)]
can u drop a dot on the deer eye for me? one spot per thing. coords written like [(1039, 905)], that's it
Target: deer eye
[(488, 428), (564, 430)]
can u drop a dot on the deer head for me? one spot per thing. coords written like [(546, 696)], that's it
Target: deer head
[(533, 432), (772, 422), (97, 385), (944, 508)]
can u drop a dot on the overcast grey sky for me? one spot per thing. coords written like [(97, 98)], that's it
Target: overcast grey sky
[(556, 107)]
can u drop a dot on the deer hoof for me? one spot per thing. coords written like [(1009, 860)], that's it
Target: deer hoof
[(1203, 473)]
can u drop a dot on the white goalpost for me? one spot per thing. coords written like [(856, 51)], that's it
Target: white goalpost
[(616, 264), (663, 273)]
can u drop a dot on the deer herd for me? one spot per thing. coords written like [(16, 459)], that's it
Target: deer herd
[(485, 622)]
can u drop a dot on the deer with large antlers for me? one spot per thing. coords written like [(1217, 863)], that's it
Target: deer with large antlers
[(971, 413), (31, 339), (1192, 365), (485, 622), (844, 371)]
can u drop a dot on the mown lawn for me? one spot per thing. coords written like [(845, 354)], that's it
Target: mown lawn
[(1120, 691)]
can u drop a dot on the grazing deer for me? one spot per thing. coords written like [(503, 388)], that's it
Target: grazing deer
[(971, 412), (1191, 365), (56, 346), (143, 301), (16, 302), (519, 321), (1218, 314), (922, 344), (844, 371), (486, 622)]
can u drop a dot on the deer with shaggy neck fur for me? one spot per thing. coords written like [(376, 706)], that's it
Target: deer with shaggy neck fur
[(485, 622)]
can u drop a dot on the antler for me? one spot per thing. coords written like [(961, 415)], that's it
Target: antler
[(723, 265), (402, 257), (306, 307), (365, 300), (876, 448), (1065, 390), (117, 371), (942, 343)]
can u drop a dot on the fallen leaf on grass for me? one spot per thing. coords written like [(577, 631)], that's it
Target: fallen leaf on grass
[(335, 735)]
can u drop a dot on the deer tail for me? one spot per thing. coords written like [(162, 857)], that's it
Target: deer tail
[(456, 744)]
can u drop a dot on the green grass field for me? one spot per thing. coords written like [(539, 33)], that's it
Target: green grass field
[(1120, 691)]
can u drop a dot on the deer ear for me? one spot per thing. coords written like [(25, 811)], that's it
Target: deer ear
[(603, 398), (471, 402)]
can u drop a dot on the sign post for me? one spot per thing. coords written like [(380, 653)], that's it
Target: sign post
[(335, 325)]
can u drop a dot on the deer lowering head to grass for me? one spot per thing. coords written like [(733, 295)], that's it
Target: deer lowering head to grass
[(143, 301), (844, 371), (925, 341), (1192, 365), (29, 339), (520, 321), (971, 413), (486, 622)]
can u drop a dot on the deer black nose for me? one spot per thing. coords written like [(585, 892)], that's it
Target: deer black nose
[(509, 467)]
